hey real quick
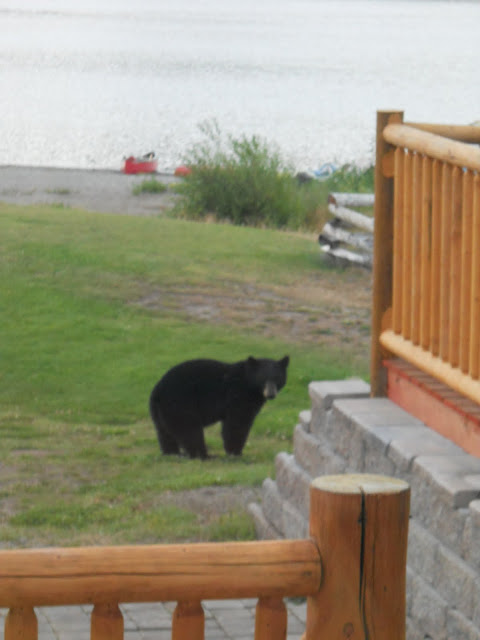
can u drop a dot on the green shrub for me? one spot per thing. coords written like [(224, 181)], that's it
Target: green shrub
[(149, 186), (351, 179), (241, 181), (245, 182)]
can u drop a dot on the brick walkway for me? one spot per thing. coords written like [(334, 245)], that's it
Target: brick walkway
[(224, 620)]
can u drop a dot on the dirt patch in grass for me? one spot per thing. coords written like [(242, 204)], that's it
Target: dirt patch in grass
[(331, 308), (210, 502)]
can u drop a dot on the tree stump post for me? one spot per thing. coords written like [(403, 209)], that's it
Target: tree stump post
[(360, 523)]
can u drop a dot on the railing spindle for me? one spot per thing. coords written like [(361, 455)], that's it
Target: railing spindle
[(106, 622), (466, 289), (446, 223), (398, 208), (426, 253), (188, 622), (437, 171), (407, 249), (455, 269), (270, 619), (21, 624), (474, 360), (416, 247)]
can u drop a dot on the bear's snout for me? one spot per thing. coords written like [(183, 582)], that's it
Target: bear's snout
[(269, 390)]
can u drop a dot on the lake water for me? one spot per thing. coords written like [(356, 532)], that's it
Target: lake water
[(83, 84)]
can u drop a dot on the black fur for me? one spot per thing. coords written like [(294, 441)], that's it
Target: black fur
[(199, 393)]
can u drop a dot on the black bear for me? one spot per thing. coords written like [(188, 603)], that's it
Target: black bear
[(198, 393)]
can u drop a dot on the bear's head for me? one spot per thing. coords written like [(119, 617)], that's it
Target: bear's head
[(266, 375)]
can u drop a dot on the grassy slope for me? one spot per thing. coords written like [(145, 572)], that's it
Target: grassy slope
[(80, 353)]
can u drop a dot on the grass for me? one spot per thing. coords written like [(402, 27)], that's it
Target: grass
[(81, 350)]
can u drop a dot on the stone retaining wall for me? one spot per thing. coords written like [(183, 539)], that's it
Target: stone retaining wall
[(346, 431)]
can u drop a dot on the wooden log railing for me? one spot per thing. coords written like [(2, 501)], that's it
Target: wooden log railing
[(426, 300), (352, 570)]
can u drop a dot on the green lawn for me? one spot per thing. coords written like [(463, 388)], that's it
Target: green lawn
[(81, 349)]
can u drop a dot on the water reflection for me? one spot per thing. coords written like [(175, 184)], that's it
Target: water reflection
[(82, 86)]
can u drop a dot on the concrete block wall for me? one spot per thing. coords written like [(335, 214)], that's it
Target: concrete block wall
[(346, 431)]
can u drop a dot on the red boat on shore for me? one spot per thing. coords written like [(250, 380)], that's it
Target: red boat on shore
[(143, 164)]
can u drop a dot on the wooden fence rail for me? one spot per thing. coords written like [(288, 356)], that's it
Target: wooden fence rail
[(426, 303), (348, 237), (352, 569)]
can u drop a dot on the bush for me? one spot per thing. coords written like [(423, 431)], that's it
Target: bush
[(149, 186), (245, 182), (241, 181), (351, 179)]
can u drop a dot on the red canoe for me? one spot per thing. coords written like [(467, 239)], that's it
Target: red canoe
[(144, 164)]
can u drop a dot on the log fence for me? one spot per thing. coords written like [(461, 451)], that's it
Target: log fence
[(426, 274), (348, 236), (352, 570)]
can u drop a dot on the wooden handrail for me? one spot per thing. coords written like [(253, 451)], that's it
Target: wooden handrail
[(456, 153), (150, 573), (463, 133)]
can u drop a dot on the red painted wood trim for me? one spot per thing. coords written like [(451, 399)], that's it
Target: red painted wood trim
[(434, 403)]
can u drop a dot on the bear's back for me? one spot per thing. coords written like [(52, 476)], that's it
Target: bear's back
[(196, 379), (197, 390)]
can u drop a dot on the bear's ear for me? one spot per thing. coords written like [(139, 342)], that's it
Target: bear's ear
[(253, 362), (285, 361)]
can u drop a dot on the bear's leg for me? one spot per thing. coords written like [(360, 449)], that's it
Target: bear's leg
[(194, 443), (235, 430), (168, 444)]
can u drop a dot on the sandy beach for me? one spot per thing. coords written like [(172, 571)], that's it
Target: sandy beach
[(94, 190)]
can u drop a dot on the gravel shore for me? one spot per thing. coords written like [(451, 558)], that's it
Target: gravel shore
[(94, 190)]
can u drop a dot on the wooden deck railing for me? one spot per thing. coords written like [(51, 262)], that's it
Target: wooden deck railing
[(426, 300), (352, 570)]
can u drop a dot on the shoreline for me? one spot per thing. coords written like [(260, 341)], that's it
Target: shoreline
[(96, 190)]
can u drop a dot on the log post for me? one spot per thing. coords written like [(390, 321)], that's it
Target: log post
[(360, 524), (106, 622), (188, 621), (270, 619), (21, 624), (382, 250)]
